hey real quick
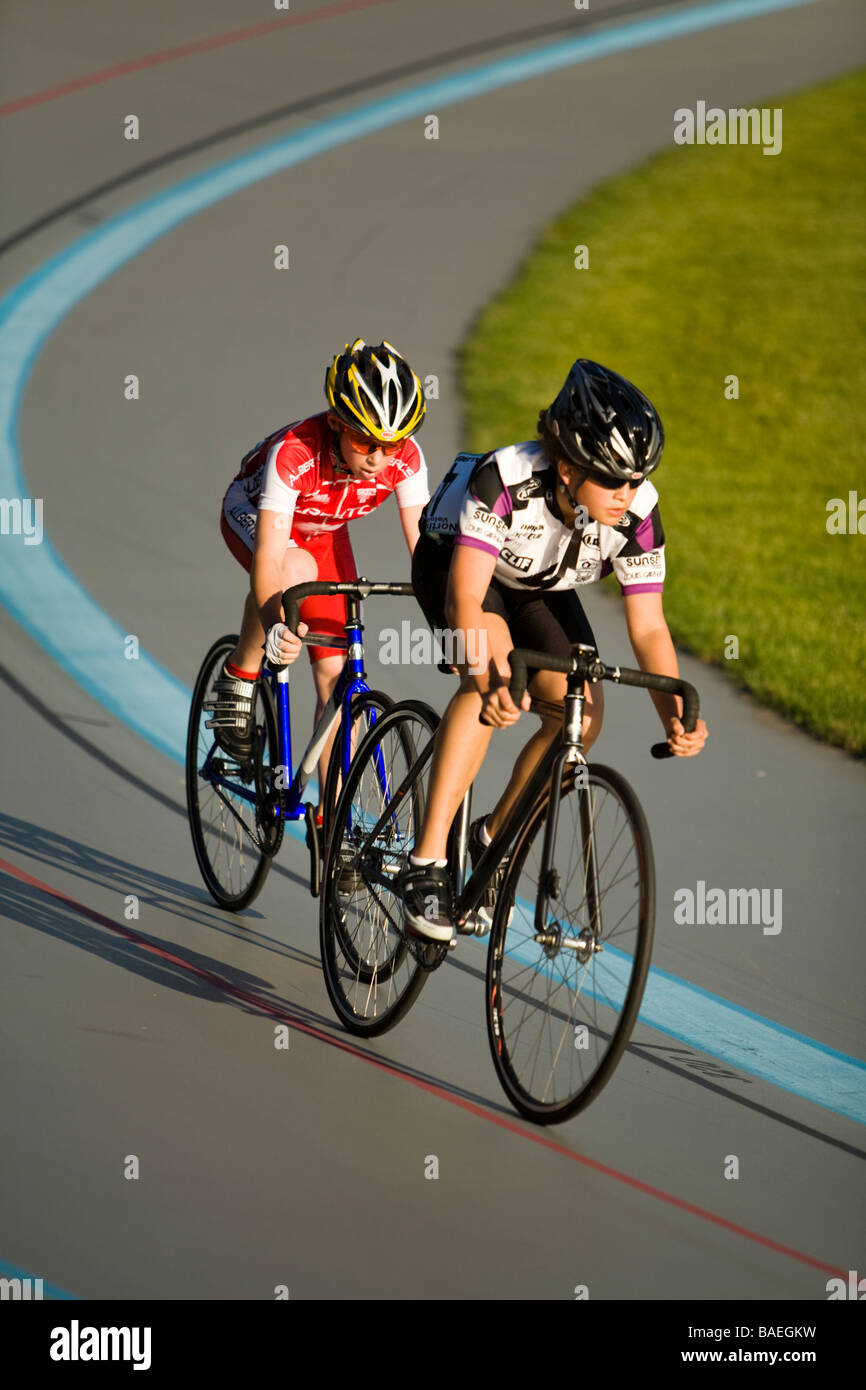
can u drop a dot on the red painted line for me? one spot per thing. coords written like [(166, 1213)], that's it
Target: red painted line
[(512, 1127), (185, 50)]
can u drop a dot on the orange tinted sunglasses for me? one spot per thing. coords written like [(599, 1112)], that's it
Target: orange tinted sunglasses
[(363, 444)]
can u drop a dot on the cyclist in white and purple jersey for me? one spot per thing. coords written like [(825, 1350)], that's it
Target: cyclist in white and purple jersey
[(506, 541)]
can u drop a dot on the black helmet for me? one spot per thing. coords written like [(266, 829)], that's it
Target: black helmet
[(375, 391), (604, 424)]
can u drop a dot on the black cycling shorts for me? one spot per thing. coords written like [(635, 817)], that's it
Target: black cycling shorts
[(546, 621)]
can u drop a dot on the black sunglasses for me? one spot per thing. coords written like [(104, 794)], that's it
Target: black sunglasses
[(612, 484)]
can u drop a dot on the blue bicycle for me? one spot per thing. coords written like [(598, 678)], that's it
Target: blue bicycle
[(238, 811)]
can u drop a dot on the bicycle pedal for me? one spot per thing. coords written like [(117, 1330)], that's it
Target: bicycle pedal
[(475, 925)]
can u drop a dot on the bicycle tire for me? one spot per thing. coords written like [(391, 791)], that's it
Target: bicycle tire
[(234, 840), (559, 1065), (371, 974)]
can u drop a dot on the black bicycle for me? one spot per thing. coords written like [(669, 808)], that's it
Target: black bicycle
[(572, 928)]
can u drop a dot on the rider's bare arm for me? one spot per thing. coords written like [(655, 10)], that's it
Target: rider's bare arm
[(409, 519), (468, 581), (654, 649)]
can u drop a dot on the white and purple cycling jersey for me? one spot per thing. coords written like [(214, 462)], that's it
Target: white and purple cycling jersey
[(505, 503)]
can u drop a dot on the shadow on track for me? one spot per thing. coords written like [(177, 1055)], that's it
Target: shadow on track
[(166, 966), (163, 893)]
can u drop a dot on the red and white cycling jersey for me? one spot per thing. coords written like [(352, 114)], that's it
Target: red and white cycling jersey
[(299, 472)]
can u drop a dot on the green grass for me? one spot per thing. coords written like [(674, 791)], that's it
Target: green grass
[(711, 261)]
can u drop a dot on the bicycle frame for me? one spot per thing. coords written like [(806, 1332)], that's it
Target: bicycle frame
[(352, 681), (565, 750), (584, 664), (562, 751)]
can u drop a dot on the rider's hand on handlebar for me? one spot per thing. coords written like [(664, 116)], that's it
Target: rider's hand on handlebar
[(684, 745), (499, 710), (282, 646)]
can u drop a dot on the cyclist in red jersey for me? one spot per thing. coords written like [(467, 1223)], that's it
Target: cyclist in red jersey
[(284, 519)]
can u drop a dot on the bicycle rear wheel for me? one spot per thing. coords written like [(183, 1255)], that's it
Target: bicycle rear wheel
[(372, 974), (234, 838), (562, 1000)]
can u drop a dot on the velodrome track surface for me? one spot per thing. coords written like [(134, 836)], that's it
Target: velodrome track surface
[(155, 1037)]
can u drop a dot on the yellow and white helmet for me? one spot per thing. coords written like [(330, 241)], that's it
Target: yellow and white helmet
[(375, 391)]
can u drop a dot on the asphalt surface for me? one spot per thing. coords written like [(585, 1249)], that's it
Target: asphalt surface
[(306, 1166)]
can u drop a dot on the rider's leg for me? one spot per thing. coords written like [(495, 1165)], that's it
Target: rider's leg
[(461, 741), (551, 623), (529, 758)]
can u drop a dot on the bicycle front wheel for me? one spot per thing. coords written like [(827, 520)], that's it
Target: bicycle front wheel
[(371, 974), (570, 950), (235, 829), (366, 708)]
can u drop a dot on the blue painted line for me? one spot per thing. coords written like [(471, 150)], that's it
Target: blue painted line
[(756, 1045), (724, 1030), (49, 1291), (36, 586), (49, 603)]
